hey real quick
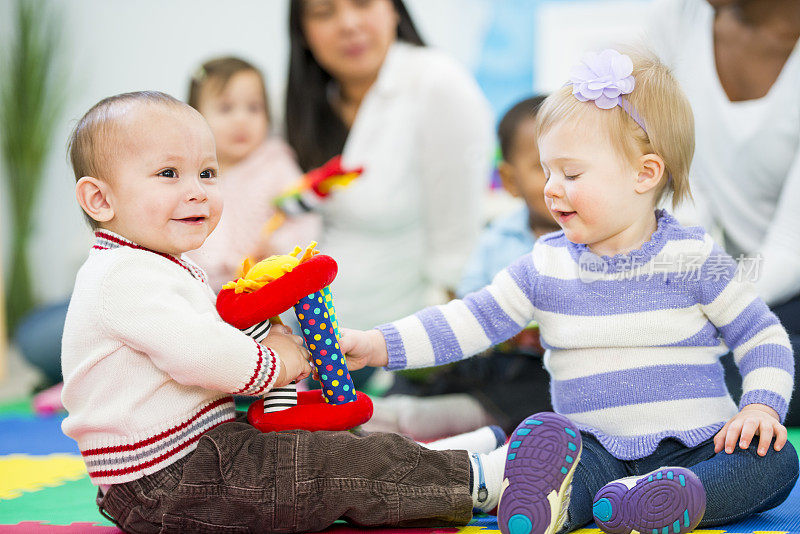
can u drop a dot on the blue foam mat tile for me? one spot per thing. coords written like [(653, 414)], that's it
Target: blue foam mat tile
[(34, 435)]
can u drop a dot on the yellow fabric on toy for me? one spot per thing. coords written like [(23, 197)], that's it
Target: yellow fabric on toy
[(22, 472), (255, 276), (337, 182)]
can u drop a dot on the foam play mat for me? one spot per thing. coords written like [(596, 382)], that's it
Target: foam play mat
[(44, 487)]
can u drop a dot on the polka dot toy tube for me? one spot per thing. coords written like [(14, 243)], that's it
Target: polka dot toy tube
[(318, 323), (328, 296)]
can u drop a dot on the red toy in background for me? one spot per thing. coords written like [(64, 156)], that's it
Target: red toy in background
[(271, 287), (311, 190)]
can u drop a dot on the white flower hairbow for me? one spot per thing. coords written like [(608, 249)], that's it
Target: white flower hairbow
[(604, 78)]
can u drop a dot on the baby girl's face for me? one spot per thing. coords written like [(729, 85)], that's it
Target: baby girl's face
[(590, 187), (237, 115), (163, 185)]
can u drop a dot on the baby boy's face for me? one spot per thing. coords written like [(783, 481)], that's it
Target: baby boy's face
[(528, 171), (163, 182)]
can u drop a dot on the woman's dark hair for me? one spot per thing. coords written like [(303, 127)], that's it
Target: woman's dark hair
[(219, 72), (313, 128)]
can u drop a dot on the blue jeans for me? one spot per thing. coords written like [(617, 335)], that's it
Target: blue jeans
[(39, 339), (737, 485)]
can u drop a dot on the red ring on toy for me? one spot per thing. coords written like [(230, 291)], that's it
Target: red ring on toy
[(312, 413), (243, 310)]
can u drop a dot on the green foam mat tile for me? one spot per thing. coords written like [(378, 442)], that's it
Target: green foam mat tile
[(38, 527), (70, 502), (16, 407), (794, 436)]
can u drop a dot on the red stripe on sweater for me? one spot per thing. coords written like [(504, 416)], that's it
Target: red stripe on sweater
[(271, 373), (255, 373), (153, 461), (138, 247), (160, 436)]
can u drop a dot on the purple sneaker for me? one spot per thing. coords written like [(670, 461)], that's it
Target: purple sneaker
[(669, 500), (542, 455)]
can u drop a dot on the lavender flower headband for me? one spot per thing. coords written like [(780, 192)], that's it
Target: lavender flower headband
[(604, 78)]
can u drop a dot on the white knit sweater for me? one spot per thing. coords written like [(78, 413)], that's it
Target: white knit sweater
[(148, 364)]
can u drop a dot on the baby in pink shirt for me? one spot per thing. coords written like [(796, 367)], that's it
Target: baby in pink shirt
[(254, 168)]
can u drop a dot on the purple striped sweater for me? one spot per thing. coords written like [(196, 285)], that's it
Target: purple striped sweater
[(633, 341)]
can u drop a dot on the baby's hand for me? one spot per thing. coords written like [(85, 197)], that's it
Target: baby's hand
[(752, 419), (363, 347), (292, 352)]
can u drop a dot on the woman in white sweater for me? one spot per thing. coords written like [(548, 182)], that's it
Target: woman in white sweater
[(739, 63), (362, 83)]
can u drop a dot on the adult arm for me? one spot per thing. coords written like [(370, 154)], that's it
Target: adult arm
[(778, 258), (456, 141)]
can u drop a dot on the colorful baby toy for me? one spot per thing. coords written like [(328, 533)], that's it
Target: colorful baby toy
[(310, 190), (266, 290)]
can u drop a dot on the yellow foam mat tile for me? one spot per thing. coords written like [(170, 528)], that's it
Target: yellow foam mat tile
[(22, 473)]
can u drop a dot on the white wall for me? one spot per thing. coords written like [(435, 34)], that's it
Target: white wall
[(566, 30), (113, 46)]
